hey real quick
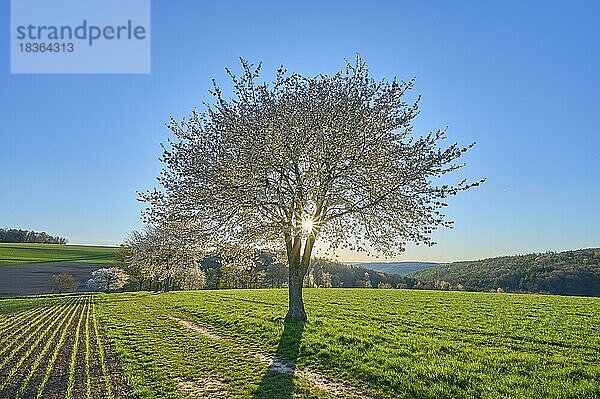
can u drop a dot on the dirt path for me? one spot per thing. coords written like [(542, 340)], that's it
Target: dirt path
[(334, 388)]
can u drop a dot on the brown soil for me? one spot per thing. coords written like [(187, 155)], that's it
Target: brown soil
[(56, 386), (34, 279), (60, 369), (79, 390), (17, 368)]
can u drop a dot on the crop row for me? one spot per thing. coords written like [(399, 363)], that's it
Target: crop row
[(54, 350)]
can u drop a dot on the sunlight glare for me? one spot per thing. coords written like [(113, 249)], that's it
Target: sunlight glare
[(307, 224)]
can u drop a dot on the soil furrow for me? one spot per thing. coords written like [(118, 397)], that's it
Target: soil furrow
[(20, 342), (88, 380), (9, 321), (23, 328), (25, 357), (31, 381), (58, 351), (56, 375), (76, 361), (96, 387)]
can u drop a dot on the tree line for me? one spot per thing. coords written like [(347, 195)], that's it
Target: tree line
[(156, 259), (28, 236), (152, 261)]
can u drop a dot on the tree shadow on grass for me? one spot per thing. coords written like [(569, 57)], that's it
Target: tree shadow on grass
[(278, 381)]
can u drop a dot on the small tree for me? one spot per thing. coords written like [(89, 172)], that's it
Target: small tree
[(64, 282), (107, 279), (326, 157)]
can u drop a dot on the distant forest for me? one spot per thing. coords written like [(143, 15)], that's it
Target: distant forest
[(27, 236), (564, 273), (323, 273), (402, 268)]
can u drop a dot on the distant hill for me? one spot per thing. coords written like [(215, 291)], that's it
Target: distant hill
[(401, 268), (566, 273)]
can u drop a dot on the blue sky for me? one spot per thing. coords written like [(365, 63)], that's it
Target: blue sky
[(519, 78)]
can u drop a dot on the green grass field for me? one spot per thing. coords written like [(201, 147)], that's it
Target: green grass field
[(44, 253), (362, 343), (389, 343)]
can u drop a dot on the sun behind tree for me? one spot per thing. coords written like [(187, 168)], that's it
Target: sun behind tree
[(329, 158)]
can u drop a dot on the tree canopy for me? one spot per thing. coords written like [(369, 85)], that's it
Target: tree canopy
[(329, 157)]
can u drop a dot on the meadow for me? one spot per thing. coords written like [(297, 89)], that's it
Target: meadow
[(364, 343), (385, 343), (20, 253)]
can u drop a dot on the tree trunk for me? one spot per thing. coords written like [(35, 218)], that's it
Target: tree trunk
[(298, 261), (296, 304)]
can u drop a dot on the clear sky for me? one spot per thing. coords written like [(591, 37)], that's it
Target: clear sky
[(519, 78)]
